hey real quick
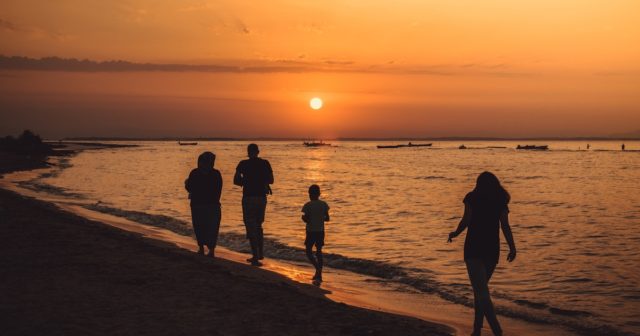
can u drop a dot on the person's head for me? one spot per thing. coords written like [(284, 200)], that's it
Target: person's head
[(314, 192), (206, 160), (253, 150), (488, 185)]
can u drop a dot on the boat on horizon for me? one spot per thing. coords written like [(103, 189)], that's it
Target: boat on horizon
[(533, 147), (315, 143), (187, 143), (403, 145)]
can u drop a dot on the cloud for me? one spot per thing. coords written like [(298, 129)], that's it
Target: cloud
[(33, 31), (133, 14), (10, 26), (298, 65)]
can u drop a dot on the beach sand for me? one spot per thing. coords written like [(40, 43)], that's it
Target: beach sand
[(64, 274)]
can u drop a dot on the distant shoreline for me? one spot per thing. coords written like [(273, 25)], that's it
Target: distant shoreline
[(344, 139)]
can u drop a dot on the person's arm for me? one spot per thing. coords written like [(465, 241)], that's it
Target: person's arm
[(464, 223), (187, 183), (305, 218), (508, 235), (237, 178), (218, 188), (269, 173), (326, 215)]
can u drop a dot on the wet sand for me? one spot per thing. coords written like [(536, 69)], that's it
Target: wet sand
[(64, 274)]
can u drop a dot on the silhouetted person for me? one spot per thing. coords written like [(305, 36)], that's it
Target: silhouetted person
[(588, 146), (485, 212), (204, 185), (254, 176), (622, 146), (316, 212)]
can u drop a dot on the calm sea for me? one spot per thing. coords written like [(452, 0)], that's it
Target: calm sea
[(575, 214)]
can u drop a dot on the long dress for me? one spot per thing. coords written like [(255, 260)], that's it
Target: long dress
[(205, 189)]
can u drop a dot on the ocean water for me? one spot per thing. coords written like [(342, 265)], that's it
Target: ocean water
[(575, 215)]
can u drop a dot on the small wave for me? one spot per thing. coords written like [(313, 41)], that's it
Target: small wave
[(531, 177), (35, 185), (382, 229), (531, 304), (533, 227), (552, 204), (574, 280), (569, 312), (431, 177), (405, 213)]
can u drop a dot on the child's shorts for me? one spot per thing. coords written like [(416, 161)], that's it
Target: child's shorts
[(314, 238)]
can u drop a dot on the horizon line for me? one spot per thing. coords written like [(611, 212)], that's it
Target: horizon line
[(448, 138)]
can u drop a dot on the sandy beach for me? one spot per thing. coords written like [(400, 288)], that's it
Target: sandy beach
[(64, 274)]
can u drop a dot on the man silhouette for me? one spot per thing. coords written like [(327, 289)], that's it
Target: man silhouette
[(254, 175)]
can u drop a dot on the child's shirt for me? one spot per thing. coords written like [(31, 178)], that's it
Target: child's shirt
[(316, 212)]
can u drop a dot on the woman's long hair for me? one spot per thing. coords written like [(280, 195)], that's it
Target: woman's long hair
[(206, 161), (488, 188)]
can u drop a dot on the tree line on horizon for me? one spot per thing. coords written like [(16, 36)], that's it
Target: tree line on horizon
[(26, 143)]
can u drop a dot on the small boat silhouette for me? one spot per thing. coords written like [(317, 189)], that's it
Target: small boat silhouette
[(407, 145), (533, 147), (187, 143), (315, 143)]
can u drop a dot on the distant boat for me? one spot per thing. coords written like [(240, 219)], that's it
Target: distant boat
[(407, 145), (315, 143), (462, 147), (533, 147), (187, 143)]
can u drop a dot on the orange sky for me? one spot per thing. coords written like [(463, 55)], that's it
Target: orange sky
[(401, 68)]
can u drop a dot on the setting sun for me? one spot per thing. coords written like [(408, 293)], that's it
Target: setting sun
[(315, 103)]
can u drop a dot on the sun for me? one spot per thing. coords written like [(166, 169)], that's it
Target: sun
[(315, 103)]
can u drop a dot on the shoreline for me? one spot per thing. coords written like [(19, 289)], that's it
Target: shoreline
[(75, 283), (344, 286)]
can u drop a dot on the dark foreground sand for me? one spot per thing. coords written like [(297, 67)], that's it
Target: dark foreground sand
[(65, 275)]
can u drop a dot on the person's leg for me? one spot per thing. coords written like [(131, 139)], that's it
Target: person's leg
[(312, 259), (248, 216), (217, 216), (259, 242), (489, 268), (490, 314), (477, 307), (261, 208), (320, 262), (478, 319), (479, 281), (195, 220), (319, 257)]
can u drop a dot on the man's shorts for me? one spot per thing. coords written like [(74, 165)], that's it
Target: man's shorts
[(314, 238), (253, 209)]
